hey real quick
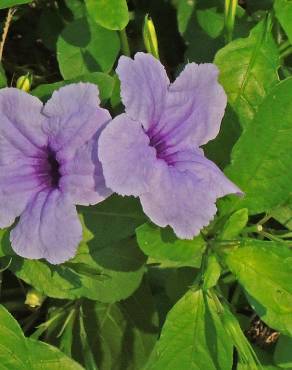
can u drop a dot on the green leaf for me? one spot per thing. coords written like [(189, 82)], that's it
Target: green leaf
[(124, 332), (283, 10), (234, 225), (211, 21), (10, 3), (261, 159), (248, 70), (20, 353), (264, 270), (192, 337), (108, 266), (85, 47), (184, 12), (283, 354), (212, 272), (163, 245), (104, 82), (111, 14)]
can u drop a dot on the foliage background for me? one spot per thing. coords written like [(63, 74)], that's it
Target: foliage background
[(135, 297)]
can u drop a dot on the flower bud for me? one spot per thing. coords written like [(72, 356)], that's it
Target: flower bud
[(34, 298), (150, 38), (230, 12), (24, 82)]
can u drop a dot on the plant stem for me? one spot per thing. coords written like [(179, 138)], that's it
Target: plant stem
[(125, 42), (286, 52), (284, 45), (8, 20)]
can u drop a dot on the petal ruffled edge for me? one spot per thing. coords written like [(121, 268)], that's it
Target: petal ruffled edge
[(144, 85)]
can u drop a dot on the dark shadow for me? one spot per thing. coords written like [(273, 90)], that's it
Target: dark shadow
[(112, 224), (219, 149)]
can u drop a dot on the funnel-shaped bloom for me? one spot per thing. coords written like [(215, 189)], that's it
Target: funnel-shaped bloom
[(48, 163), (152, 151)]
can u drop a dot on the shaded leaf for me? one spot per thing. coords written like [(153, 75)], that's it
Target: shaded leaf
[(85, 47), (104, 82), (283, 354), (108, 266)]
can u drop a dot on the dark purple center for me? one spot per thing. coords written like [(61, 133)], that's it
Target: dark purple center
[(54, 169), (163, 150)]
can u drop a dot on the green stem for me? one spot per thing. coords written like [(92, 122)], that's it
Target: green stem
[(264, 219), (125, 43), (286, 52), (284, 45)]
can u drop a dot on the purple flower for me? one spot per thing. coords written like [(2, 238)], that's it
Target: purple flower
[(48, 163), (152, 151)]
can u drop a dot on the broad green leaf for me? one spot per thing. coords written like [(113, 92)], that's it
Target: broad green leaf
[(163, 245), (261, 159), (111, 14), (192, 337), (185, 10), (124, 332), (248, 70), (234, 225), (283, 10), (76, 8), (108, 266), (264, 270), (85, 47), (104, 82), (211, 21), (10, 3), (283, 353), (20, 353)]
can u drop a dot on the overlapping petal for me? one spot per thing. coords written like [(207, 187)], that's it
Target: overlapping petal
[(144, 84), (180, 200), (73, 118), (48, 228), (82, 176), (128, 159)]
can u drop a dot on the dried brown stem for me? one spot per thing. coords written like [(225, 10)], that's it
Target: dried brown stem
[(8, 20)]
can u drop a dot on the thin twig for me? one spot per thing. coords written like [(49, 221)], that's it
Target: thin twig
[(8, 20)]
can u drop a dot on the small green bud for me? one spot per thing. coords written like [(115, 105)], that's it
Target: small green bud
[(34, 298), (24, 82), (150, 37)]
